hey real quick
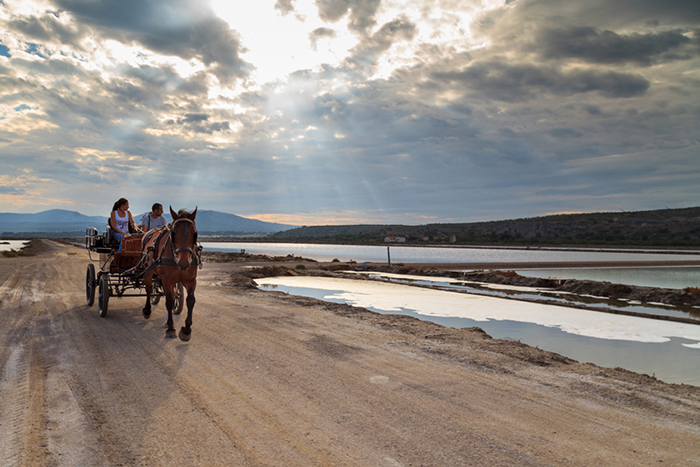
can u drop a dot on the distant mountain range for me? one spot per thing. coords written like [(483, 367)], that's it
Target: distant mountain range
[(57, 221), (665, 227)]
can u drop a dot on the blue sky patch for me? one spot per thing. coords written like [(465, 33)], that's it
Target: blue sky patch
[(34, 49), (4, 51)]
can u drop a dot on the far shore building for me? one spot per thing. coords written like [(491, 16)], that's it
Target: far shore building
[(394, 239)]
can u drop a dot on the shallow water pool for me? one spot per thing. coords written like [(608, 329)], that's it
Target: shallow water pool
[(667, 350)]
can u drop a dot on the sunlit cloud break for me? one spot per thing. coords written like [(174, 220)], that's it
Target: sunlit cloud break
[(368, 111)]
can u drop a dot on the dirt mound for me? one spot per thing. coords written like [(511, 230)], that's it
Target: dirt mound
[(676, 297)]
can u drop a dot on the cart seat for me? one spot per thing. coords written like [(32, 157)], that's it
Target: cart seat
[(109, 237), (129, 255)]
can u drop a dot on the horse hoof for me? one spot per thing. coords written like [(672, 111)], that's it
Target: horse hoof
[(146, 314), (170, 334), (183, 336)]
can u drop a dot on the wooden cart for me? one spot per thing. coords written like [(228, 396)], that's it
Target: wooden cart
[(120, 273)]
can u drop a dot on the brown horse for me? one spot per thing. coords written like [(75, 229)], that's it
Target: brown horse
[(171, 252)]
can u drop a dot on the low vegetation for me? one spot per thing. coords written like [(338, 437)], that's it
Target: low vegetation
[(30, 249), (661, 228)]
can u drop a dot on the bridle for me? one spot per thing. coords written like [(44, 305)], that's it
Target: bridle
[(159, 259), (195, 250), (171, 234)]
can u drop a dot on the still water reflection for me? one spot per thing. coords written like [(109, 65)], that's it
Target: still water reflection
[(669, 277), (412, 254), (670, 351), (525, 293)]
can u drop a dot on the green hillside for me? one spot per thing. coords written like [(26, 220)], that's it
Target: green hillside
[(667, 227)]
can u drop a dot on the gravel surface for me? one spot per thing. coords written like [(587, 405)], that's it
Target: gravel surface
[(270, 379)]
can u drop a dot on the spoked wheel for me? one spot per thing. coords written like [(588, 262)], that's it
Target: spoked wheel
[(157, 290), (103, 297), (90, 284), (179, 298)]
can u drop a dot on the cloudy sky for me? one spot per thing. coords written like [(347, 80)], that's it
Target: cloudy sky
[(350, 111)]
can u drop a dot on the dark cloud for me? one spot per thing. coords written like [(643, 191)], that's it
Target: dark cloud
[(48, 28), (520, 82), (591, 45), (199, 123), (371, 49), (361, 12), (181, 28), (320, 33), (533, 120), (611, 15), (10, 190), (56, 68), (194, 118), (564, 133)]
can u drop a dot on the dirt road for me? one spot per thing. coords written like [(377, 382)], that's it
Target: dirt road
[(273, 380)]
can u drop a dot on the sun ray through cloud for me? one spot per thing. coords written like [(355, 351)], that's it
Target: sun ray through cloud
[(365, 109)]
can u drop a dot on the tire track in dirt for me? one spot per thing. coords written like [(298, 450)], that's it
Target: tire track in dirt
[(248, 417), (23, 426), (114, 346), (352, 391), (97, 392), (273, 380), (32, 301)]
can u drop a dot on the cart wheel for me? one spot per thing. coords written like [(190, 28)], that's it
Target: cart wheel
[(155, 299), (90, 284), (179, 298), (103, 294)]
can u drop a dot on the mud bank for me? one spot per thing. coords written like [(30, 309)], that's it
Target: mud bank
[(291, 265)]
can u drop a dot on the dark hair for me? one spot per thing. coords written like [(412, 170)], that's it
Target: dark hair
[(156, 206), (120, 202)]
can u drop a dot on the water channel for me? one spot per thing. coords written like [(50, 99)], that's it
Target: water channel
[(667, 350), (676, 277)]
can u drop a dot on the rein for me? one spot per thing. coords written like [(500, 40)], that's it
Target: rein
[(160, 260)]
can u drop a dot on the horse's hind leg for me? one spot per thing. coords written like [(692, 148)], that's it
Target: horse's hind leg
[(186, 331), (148, 281)]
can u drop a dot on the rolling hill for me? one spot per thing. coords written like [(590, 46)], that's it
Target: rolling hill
[(664, 227), (70, 223)]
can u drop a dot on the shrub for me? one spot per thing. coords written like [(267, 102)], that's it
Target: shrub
[(301, 266), (509, 273)]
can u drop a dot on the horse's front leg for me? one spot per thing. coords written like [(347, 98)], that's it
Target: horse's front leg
[(186, 331), (169, 302), (148, 280)]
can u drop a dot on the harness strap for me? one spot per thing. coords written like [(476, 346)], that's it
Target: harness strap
[(152, 265), (160, 260)]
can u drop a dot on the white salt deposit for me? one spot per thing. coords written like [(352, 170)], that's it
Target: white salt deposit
[(390, 297)]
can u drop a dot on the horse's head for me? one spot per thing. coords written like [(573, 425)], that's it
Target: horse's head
[(183, 235)]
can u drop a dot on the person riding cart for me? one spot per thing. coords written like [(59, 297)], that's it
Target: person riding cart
[(121, 221), (154, 219)]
